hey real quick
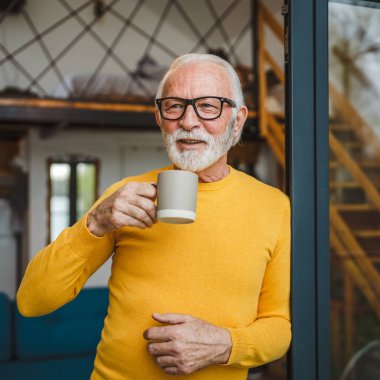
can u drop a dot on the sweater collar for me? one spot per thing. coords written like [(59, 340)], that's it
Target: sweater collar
[(209, 186)]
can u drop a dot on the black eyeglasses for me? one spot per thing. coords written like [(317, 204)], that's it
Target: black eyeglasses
[(206, 107)]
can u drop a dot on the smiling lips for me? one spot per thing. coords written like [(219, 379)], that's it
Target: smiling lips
[(190, 141)]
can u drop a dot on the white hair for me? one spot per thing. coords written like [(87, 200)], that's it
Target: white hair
[(237, 92)]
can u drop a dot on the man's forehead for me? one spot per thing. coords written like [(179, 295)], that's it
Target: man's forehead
[(196, 69), (198, 75)]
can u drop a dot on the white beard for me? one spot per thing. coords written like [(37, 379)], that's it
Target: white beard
[(192, 160)]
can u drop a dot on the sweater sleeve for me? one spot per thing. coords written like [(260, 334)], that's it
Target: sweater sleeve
[(268, 337), (58, 272)]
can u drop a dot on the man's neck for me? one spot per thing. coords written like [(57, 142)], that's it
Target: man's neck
[(214, 176), (216, 172)]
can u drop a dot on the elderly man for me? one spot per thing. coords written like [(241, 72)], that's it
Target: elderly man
[(205, 300)]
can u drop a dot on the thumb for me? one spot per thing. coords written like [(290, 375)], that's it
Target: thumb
[(172, 319)]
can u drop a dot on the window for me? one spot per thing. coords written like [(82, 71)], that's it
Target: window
[(72, 190)]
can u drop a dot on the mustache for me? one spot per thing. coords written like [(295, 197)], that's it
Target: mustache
[(195, 135)]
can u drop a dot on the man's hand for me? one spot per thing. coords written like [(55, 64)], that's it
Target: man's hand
[(187, 343), (131, 205)]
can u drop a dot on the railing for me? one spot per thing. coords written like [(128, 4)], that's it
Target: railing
[(354, 260), (355, 170), (276, 138), (356, 121), (265, 18)]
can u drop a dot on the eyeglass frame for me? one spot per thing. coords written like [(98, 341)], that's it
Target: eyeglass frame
[(187, 102)]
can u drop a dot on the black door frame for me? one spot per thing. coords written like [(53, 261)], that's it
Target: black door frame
[(306, 66)]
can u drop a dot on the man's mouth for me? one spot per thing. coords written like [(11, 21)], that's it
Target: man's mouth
[(190, 141)]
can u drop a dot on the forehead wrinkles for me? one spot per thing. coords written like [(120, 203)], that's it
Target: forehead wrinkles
[(194, 80)]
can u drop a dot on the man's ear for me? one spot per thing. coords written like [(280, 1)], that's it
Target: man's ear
[(158, 118), (240, 119)]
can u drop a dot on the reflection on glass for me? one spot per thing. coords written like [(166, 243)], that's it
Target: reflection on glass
[(85, 187), (60, 198), (354, 72)]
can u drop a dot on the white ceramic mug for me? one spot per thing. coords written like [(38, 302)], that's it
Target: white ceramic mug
[(177, 196)]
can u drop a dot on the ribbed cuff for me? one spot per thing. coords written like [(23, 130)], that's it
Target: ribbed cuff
[(239, 346), (83, 242)]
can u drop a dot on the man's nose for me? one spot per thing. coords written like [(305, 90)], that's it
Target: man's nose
[(190, 119)]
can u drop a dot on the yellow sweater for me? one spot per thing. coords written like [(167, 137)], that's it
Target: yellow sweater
[(231, 268)]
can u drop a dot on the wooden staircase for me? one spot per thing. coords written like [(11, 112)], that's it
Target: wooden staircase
[(355, 198), (354, 178)]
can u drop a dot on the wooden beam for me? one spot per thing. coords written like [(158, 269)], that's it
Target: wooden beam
[(271, 21), (276, 68), (73, 104)]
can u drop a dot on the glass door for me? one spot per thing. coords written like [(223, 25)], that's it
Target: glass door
[(354, 166)]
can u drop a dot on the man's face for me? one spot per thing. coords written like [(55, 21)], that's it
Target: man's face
[(192, 143)]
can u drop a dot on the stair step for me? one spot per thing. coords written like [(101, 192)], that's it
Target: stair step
[(367, 233), (340, 127), (354, 207), (344, 185), (352, 144), (350, 185), (370, 164), (367, 164)]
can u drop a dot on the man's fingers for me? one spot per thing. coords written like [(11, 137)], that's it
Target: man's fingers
[(166, 333), (139, 214), (132, 205), (121, 219), (158, 333), (147, 205), (144, 189), (166, 361), (172, 318), (140, 195), (160, 348), (171, 370), (136, 206)]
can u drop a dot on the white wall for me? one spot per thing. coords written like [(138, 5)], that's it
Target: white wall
[(120, 154)]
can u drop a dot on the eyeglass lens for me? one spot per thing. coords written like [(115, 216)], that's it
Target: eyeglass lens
[(206, 108)]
